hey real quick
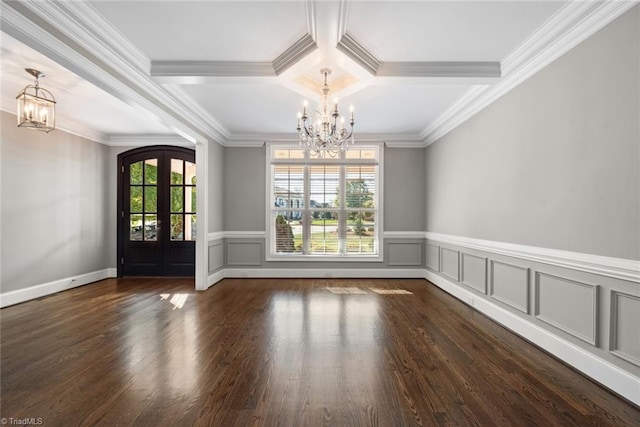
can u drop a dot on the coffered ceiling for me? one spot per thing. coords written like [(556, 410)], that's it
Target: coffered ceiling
[(237, 71)]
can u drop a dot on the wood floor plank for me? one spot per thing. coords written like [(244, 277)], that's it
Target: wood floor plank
[(282, 352)]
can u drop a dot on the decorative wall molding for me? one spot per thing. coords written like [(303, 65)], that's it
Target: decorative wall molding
[(505, 292), (218, 235), (433, 257), (614, 323), (467, 263), (606, 266), (448, 256), (403, 235), (404, 254), (37, 291), (592, 336), (245, 234), (571, 25), (599, 369)]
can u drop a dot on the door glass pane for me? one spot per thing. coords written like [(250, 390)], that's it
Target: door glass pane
[(135, 227), (176, 171), (151, 171), (176, 199), (150, 199), (176, 227), (150, 227), (190, 169), (190, 227), (136, 173), (135, 199), (191, 193)]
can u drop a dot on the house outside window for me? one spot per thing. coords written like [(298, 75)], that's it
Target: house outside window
[(322, 207)]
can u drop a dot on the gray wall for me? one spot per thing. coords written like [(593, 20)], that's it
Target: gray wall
[(404, 196), (54, 206), (555, 162), (245, 189)]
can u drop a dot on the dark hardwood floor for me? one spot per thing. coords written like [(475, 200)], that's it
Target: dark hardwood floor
[(281, 352)]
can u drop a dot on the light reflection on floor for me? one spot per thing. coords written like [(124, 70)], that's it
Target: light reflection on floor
[(319, 337), (161, 346)]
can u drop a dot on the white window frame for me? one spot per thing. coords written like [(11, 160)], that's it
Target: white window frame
[(271, 255)]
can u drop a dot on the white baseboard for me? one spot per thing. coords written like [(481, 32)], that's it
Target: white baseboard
[(214, 278), (383, 273), (600, 370), (37, 291)]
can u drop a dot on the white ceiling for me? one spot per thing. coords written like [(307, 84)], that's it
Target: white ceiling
[(238, 71)]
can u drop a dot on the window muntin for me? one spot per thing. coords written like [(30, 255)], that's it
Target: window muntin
[(324, 207), (182, 196), (143, 200)]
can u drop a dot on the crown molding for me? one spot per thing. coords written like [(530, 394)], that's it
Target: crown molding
[(391, 140), (571, 25), (68, 126)]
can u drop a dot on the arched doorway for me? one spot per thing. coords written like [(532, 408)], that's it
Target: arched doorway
[(156, 212)]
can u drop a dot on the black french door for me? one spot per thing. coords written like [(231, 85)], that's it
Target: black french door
[(157, 212)]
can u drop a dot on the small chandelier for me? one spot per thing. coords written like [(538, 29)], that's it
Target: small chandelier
[(323, 131), (36, 106)]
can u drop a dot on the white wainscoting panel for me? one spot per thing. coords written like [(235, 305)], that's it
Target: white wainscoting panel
[(509, 284), (474, 272), (625, 327), (404, 253), (554, 293), (216, 256), (433, 257), (450, 263), (247, 253)]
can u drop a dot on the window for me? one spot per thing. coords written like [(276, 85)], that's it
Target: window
[(323, 207)]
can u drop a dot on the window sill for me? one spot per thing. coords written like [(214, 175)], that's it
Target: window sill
[(324, 258)]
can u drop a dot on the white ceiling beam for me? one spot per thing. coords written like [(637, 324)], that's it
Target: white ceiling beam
[(439, 69), (60, 31), (294, 53)]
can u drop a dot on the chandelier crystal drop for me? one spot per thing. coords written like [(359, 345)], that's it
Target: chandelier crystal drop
[(36, 106), (322, 131)]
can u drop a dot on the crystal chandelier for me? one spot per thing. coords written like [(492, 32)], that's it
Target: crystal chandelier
[(322, 130), (36, 106)]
